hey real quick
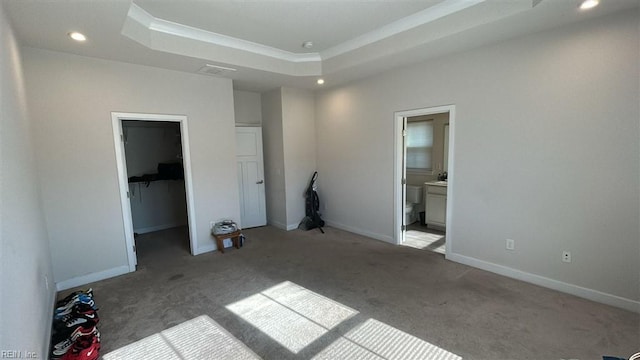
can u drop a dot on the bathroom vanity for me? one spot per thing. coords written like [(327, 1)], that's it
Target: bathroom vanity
[(435, 199)]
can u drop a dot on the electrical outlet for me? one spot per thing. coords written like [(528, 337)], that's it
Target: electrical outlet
[(46, 282), (511, 244), (566, 256)]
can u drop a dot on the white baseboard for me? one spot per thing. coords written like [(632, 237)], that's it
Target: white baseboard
[(205, 249), (359, 231), (93, 277), (157, 228), (590, 294), (227, 243), (52, 301), (282, 226), (278, 225)]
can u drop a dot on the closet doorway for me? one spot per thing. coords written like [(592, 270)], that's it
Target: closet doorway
[(152, 153)]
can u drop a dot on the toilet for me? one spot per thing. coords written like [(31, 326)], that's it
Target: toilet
[(414, 198)]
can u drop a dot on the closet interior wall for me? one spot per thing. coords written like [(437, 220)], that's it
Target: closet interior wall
[(160, 204)]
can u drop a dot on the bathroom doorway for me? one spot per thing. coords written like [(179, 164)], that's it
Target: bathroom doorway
[(423, 157)]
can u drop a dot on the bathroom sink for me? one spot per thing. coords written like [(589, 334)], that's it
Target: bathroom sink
[(441, 183)]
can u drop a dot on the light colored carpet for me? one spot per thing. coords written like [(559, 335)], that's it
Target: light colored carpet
[(376, 340), (291, 315), (196, 339), (366, 292)]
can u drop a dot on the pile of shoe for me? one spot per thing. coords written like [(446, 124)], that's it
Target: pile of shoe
[(75, 335)]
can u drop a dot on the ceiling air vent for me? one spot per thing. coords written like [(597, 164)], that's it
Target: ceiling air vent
[(215, 70)]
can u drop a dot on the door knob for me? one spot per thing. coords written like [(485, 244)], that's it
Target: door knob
[(259, 181)]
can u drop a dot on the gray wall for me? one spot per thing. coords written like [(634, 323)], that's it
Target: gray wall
[(71, 99), (299, 136), (247, 107), (290, 153), (158, 206), (26, 301), (272, 142), (546, 153), (150, 143)]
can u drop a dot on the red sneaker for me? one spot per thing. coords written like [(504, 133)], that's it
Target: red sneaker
[(85, 348), (63, 347)]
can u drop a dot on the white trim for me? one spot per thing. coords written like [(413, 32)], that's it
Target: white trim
[(206, 248), (448, 249), (116, 118), (426, 16), (140, 16), (188, 183), (93, 277), (398, 174), (404, 24), (359, 231), (586, 293), (154, 24), (282, 226), (52, 300), (398, 200), (277, 224), (157, 228), (124, 189), (411, 32)]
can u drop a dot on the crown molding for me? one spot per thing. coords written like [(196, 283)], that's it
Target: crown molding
[(412, 21), (429, 25), (153, 24)]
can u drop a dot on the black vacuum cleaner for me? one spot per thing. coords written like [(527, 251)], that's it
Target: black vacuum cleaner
[(312, 219)]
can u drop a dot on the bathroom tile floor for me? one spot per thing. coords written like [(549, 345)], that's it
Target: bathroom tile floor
[(424, 238)]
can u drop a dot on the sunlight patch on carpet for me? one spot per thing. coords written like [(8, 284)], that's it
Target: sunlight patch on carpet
[(198, 338), (291, 315), (315, 307), (343, 349), (425, 241), (376, 340)]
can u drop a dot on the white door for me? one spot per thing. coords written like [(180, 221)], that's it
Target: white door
[(403, 231), (251, 177)]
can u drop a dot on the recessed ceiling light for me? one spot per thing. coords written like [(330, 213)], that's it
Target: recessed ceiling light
[(320, 81), (589, 4), (307, 44), (77, 36)]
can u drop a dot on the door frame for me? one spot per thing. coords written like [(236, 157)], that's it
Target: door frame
[(123, 181), (399, 149)]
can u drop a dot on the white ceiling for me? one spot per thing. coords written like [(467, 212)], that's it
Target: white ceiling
[(263, 39), (286, 24)]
